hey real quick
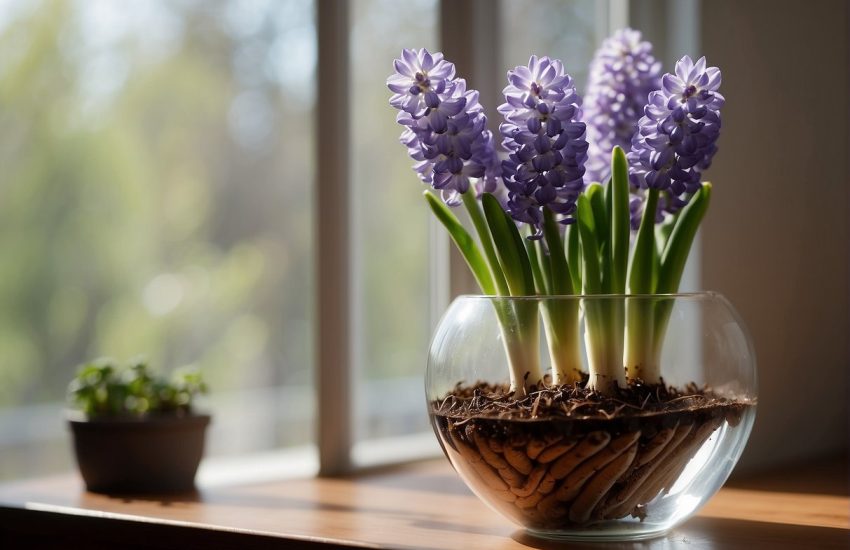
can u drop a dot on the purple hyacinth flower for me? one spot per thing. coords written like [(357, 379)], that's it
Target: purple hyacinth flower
[(622, 74), (485, 151), (677, 137), (545, 167), (418, 72), (445, 127)]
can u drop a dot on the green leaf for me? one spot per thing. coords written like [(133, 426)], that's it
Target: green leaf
[(642, 272), (620, 220), (484, 237), (574, 261), (663, 231), (596, 194), (562, 282), (510, 248), (539, 265), (524, 262), (679, 244), (587, 229), (464, 242)]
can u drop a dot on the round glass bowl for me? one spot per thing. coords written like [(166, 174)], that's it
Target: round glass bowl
[(564, 469)]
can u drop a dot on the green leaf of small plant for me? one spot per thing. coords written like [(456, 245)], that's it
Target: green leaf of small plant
[(101, 388)]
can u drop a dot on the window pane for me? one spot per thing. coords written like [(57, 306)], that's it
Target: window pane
[(563, 29), (390, 226), (156, 201)]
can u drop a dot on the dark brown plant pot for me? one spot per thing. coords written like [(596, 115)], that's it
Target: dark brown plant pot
[(156, 454)]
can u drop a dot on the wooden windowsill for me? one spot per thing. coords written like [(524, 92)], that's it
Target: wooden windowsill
[(421, 505)]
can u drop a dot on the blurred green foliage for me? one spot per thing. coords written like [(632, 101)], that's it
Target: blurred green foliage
[(103, 388), (155, 191)]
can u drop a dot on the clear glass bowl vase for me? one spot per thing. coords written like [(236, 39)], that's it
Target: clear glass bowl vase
[(505, 386)]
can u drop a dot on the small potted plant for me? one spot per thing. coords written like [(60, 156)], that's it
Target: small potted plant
[(136, 432), (630, 407)]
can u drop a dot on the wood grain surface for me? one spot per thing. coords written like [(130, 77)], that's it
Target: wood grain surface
[(422, 505)]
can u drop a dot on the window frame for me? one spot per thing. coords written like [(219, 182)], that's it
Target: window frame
[(332, 214)]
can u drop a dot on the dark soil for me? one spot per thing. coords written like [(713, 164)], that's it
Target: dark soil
[(574, 402)]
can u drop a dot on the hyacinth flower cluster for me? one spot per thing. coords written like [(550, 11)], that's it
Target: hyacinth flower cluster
[(550, 233), (623, 73), (545, 166), (445, 126), (675, 143), (677, 137)]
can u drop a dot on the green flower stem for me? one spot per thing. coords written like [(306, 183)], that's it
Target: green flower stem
[(464, 242), (596, 194), (539, 265), (518, 319), (524, 262), (561, 323), (560, 318), (526, 311), (477, 217), (590, 250), (662, 233), (603, 325), (603, 330), (512, 254), (640, 361), (674, 258), (517, 322), (682, 237), (519, 326), (612, 220), (562, 283), (641, 276), (620, 220), (573, 246)]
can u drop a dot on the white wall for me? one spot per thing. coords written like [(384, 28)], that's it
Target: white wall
[(775, 241)]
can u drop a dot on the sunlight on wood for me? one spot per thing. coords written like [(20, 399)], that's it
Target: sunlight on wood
[(415, 505), (777, 507)]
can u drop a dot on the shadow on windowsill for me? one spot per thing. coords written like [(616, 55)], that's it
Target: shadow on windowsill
[(715, 533), (823, 476), (164, 500)]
